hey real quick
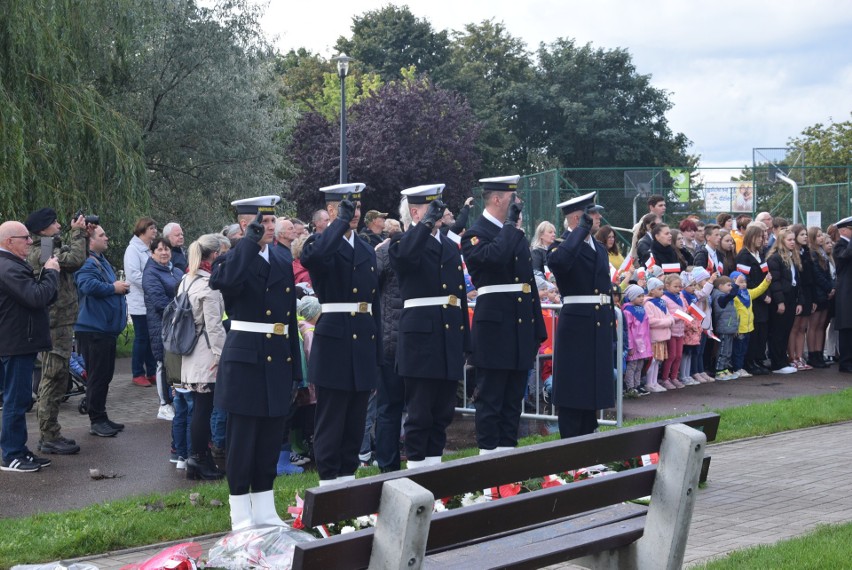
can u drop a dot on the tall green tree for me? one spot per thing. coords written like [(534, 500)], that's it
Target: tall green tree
[(62, 143), (392, 38), (826, 145), (590, 107), (490, 68)]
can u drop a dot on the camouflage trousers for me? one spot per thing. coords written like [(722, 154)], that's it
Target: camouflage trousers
[(54, 382)]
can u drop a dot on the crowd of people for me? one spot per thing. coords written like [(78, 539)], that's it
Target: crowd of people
[(317, 342)]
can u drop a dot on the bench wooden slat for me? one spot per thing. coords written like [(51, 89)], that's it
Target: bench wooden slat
[(338, 502), (539, 548)]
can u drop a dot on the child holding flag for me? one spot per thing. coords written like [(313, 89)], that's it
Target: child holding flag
[(691, 332), (743, 304), (727, 324), (660, 323), (639, 348), (677, 309)]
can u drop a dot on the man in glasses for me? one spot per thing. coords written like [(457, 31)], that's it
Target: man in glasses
[(24, 332)]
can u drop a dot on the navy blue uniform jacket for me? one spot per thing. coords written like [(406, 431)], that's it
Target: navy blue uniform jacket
[(346, 349), (508, 328), (257, 370), (583, 344), (432, 340)]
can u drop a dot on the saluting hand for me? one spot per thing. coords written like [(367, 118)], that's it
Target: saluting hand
[(586, 220), (434, 213), (514, 213), (346, 209), (255, 230)]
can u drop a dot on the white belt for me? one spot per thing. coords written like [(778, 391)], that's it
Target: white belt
[(590, 299), (431, 301), (512, 288), (268, 328), (347, 308)]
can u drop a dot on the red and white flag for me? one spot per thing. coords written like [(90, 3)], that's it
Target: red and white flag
[(641, 273), (764, 267), (684, 316), (613, 273), (744, 269), (628, 262), (696, 312), (671, 267), (709, 333), (651, 261)]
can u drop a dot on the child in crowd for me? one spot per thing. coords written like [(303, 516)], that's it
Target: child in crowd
[(639, 348), (660, 323), (703, 288), (674, 302), (727, 324), (691, 333), (742, 302)]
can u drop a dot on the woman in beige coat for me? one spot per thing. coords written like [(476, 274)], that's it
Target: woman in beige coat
[(198, 370)]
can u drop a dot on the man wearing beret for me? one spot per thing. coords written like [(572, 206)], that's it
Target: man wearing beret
[(43, 225)]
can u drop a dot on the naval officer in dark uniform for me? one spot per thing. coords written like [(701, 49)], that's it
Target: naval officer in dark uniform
[(259, 363), (433, 327), (508, 326), (842, 254), (583, 352), (346, 350)]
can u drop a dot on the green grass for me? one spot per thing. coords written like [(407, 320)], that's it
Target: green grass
[(826, 547), (153, 518), (124, 346)]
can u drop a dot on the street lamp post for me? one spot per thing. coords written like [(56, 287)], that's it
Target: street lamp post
[(342, 69)]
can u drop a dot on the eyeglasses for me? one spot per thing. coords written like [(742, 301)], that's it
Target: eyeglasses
[(28, 238)]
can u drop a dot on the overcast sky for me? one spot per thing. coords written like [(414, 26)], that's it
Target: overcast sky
[(741, 74)]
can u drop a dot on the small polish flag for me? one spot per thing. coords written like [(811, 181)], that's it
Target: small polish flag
[(547, 274), (764, 267), (650, 459), (696, 312), (613, 273), (710, 267), (686, 317), (671, 267), (720, 268), (710, 334), (628, 261), (640, 273), (651, 262), (744, 269)]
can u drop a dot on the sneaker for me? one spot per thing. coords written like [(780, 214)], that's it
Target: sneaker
[(115, 425), (173, 456), (667, 385), (676, 383), (631, 394), (723, 375), (166, 412), (707, 377), (689, 381), (785, 370), (102, 429), (141, 381), (180, 463), (655, 388), (642, 391), (40, 461), (804, 365), (299, 459), (742, 373), (699, 378), (58, 447), (20, 464)]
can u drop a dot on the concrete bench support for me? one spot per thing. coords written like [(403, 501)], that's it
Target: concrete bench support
[(405, 512)]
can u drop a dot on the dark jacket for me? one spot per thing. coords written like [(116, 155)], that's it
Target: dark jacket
[(179, 259), (666, 257), (391, 303), (805, 280), (371, 238), (754, 277), (725, 319), (781, 288), (347, 348), (702, 259), (24, 300), (539, 260), (257, 370), (432, 340), (842, 254), (643, 248), (102, 310), (823, 283), (583, 351), (159, 283), (507, 327)]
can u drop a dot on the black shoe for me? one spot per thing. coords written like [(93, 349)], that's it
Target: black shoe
[(816, 360), (102, 429), (115, 425), (40, 461), (20, 465), (202, 467), (757, 371), (58, 447)]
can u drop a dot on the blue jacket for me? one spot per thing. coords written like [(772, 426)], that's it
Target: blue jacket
[(159, 283), (102, 310)]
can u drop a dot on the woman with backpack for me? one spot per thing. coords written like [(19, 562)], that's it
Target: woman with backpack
[(199, 368)]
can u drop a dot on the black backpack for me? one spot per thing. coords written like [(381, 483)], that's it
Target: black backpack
[(179, 334)]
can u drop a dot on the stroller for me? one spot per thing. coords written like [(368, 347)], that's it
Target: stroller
[(76, 382)]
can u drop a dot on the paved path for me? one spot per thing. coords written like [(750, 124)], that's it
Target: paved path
[(760, 491)]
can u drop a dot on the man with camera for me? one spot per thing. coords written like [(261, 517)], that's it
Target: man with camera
[(44, 228), (102, 316)]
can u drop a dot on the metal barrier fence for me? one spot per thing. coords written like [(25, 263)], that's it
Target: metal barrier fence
[(536, 389)]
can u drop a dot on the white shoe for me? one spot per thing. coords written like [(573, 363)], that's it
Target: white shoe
[(411, 464), (263, 509), (180, 463), (166, 412), (742, 373), (655, 388), (688, 381), (785, 370), (240, 511)]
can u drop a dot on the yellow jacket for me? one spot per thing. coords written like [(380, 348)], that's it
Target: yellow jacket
[(746, 314)]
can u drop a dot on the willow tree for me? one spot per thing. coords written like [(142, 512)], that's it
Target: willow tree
[(62, 143)]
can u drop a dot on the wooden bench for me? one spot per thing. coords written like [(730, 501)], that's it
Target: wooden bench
[(589, 520)]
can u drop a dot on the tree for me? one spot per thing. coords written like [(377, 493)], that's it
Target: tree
[(826, 145), (490, 67), (408, 133), (391, 38), (589, 107)]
